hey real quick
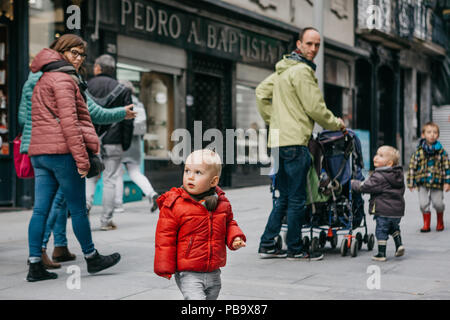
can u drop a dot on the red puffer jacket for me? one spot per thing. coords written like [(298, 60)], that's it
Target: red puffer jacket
[(74, 132), (189, 237)]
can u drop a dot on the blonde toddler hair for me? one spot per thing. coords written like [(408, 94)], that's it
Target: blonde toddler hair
[(208, 157), (393, 153)]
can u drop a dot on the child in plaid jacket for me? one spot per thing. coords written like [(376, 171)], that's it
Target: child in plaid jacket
[(429, 171)]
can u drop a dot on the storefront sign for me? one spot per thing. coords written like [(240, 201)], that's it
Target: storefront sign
[(155, 22)]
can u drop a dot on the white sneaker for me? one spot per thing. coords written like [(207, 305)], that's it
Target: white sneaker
[(110, 226), (119, 210)]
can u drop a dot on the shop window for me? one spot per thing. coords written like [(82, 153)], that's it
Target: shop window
[(339, 101), (46, 23), (156, 91), (248, 117)]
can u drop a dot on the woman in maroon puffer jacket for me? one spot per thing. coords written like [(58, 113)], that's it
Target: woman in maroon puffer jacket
[(61, 133)]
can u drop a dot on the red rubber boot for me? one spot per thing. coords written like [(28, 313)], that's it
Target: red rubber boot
[(440, 221), (426, 222)]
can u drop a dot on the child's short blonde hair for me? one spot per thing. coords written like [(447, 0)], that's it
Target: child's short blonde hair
[(430, 124), (208, 157), (393, 154)]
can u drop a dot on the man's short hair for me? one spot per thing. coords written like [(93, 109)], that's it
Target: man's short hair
[(430, 124), (106, 63), (393, 154), (208, 157), (302, 33)]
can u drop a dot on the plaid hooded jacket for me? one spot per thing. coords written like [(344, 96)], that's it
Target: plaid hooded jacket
[(430, 171)]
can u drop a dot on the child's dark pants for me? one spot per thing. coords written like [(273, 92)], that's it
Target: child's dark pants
[(386, 226)]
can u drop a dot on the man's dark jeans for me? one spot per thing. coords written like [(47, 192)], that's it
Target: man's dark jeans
[(290, 180)]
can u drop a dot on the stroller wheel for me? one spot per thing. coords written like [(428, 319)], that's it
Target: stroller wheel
[(315, 244), (306, 242), (371, 242), (344, 247), (322, 239), (354, 247), (359, 237), (334, 241)]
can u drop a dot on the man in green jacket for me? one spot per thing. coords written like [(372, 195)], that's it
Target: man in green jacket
[(290, 102)]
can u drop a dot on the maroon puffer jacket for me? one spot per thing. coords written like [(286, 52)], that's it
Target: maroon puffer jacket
[(74, 132), (191, 238)]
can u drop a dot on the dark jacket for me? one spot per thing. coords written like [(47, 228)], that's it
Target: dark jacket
[(386, 186), (122, 133)]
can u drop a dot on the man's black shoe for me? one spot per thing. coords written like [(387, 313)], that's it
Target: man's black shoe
[(271, 252), (305, 256), (98, 262)]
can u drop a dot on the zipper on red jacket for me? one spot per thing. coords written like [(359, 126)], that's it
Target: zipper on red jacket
[(188, 250)]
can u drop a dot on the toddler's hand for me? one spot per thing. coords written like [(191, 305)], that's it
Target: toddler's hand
[(446, 187), (238, 243)]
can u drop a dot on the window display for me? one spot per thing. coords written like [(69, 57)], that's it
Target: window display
[(46, 23), (157, 96), (249, 119), (155, 90)]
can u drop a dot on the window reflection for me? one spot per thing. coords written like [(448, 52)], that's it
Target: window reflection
[(249, 119), (46, 23), (155, 90)]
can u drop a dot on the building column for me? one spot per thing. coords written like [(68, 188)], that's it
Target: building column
[(318, 24), (24, 188)]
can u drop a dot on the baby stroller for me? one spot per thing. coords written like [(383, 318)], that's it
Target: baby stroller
[(332, 208)]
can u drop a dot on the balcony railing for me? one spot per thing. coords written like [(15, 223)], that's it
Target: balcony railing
[(405, 19)]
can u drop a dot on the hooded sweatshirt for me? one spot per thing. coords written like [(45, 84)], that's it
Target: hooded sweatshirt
[(386, 186), (290, 101)]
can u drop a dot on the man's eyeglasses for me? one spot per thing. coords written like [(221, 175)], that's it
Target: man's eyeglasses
[(75, 54)]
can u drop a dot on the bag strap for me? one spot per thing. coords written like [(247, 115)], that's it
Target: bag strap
[(105, 101)]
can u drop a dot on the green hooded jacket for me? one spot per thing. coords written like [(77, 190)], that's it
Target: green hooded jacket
[(290, 101)]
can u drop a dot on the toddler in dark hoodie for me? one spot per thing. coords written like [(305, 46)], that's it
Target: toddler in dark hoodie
[(386, 186)]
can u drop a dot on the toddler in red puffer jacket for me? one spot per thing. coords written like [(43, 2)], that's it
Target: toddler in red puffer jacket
[(195, 225)]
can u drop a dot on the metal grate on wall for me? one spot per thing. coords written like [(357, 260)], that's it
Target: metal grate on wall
[(441, 116)]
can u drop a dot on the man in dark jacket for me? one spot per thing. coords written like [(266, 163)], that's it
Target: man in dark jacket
[(386, 186), (115, 138)]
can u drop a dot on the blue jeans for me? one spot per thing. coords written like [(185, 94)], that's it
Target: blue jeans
[(53, 172), (290, 180), (57, 221), (386, 226)]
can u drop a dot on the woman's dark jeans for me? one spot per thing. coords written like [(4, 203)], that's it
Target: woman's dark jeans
[(290, 180), (52, 172)]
